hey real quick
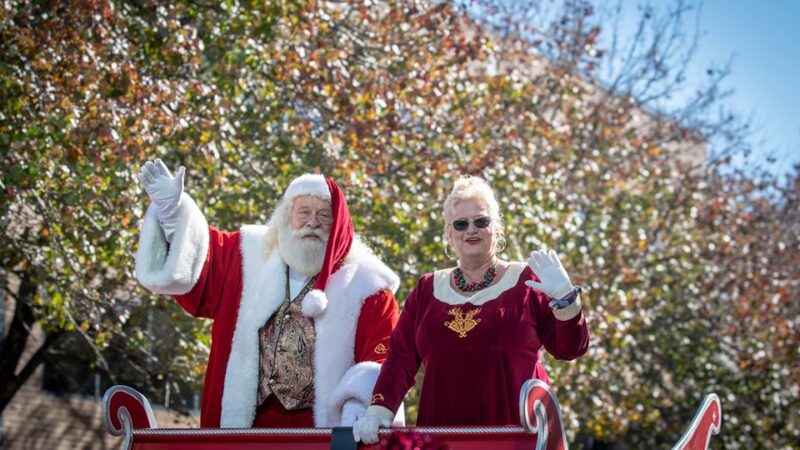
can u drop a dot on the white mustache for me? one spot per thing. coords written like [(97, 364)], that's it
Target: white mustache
[(304, 232)]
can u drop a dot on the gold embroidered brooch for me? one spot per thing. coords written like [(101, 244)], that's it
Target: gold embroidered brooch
[(380, 349), (377, 398), (462, 324)]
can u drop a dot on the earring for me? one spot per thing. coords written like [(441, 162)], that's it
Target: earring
[(503, 240), (449, 256)]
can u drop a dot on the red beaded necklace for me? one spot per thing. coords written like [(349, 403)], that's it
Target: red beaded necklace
[(462, 285)]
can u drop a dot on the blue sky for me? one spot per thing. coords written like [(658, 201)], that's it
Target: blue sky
[(763, 37), (763, 40)]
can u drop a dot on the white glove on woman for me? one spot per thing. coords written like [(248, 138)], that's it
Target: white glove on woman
[(553, 281), (165, 193), (366, 428), (352, 411)]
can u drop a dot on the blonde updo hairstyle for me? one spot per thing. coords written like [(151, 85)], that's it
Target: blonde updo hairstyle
[(469, 187)]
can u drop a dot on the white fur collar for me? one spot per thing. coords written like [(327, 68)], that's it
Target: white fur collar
[(263, 289), (264, 280), (444, 292), (362, 276)]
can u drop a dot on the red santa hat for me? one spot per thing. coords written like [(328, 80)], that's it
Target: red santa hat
[(339, 241)]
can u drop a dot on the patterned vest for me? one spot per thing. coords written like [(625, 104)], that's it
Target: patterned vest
[(286, 353)]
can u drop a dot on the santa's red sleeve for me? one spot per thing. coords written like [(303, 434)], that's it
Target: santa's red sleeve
[(215, 277), (375, 324), (193, 266)]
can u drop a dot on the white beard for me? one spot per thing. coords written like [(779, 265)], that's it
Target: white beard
[(304, 256)]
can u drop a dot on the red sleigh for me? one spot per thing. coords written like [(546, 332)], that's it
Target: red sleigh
[(127, 413)]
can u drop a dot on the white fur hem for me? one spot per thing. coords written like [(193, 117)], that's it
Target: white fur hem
[(172, 269), (361, 276), (264, 283)]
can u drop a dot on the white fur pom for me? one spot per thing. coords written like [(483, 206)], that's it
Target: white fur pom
[(314, 303)]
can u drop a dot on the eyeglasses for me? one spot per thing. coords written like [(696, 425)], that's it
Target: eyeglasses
[(479, 222), (304, 215)]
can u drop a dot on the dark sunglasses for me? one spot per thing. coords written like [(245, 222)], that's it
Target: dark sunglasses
[(463, 224)]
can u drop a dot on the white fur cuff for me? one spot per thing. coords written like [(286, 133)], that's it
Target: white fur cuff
[(356, 384), (314, 303), (174, 268)]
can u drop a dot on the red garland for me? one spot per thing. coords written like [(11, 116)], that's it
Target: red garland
[(411, 440)]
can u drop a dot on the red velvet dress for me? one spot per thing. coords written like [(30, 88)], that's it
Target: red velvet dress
[(477, 351)]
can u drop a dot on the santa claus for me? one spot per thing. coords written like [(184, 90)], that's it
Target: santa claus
[(302, 309)]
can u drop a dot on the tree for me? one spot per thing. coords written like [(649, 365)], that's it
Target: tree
[(394, 100), (79, 113)]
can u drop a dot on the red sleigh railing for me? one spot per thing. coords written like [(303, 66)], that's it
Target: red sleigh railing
[(127, 413)]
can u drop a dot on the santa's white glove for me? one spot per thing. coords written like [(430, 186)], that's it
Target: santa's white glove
[(351, 411), (366, 428), (165, 193), (553, 281)]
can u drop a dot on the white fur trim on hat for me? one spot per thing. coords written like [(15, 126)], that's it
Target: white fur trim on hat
[(308, 184), (314, 303)]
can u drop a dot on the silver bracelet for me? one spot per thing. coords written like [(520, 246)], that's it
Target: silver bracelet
[(566, 300)]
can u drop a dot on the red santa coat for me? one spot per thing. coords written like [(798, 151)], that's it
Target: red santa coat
[(233, 279)]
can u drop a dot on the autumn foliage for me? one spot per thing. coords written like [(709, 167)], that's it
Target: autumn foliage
[(691, 267)]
